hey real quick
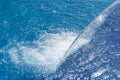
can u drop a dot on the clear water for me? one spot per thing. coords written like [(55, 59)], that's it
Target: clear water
[(35, 34)]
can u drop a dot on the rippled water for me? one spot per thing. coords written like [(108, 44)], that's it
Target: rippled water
[(36, 34), (98, 59)]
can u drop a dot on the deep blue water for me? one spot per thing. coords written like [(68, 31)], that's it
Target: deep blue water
[(29, 28), (100, 58)]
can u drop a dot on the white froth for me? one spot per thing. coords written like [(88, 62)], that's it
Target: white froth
[(79, 43), (98, 73), (100, 18), (14, 55), (47, 52)]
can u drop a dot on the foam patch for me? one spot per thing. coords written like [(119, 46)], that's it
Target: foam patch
[(45, 52)]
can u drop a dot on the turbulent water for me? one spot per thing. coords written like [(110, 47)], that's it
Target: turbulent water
[(98, 59), (59, 40)]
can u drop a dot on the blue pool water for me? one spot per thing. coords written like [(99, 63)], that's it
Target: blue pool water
[(36, 34)]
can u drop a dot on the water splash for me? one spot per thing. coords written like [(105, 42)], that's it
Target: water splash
[(46, 52)]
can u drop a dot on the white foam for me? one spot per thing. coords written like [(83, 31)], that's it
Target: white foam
[(98, 73), (43, 53)]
